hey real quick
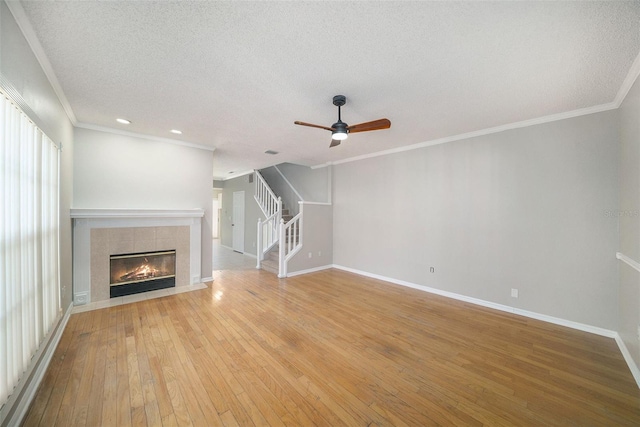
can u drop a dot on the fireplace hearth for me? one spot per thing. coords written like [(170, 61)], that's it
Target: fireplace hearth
[(141, 272)]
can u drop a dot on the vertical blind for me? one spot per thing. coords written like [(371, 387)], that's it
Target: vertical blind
[(29, 251)]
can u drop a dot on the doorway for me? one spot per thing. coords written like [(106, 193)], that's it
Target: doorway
[(237, 222)]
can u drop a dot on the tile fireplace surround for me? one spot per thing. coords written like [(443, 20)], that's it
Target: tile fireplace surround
[(98, 233)]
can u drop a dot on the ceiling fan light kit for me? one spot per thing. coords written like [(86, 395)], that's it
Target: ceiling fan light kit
[(340, 130)]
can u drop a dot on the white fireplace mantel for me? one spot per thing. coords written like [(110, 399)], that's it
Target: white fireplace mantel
[(85, 220), (137, 213)]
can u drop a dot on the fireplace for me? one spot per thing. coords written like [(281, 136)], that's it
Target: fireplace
[(141, 272)]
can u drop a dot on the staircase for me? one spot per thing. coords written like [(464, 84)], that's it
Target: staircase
[(280, 234), (271, 261)]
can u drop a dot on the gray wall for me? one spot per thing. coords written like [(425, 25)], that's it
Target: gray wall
[(523, 209), (251, 213), (629, 217), (312, 184), (317, 249), (281, 189), (116, 171), (20, 69)]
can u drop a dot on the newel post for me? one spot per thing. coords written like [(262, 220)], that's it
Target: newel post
[(281, 250), (279, 217), (259, 243)]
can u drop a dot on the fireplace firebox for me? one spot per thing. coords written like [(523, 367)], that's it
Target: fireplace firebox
[(141, 272)]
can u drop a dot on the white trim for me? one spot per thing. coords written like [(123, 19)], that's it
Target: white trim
[(632, 76), (288, 183), (235, 175), (241, 253), (322, 165), (206, 279), (635, 371), (310, 270), (626, 259), (314, 203), (483, 132), (550, 319), (143, 136), (136, 213), (628, 358), (30, 35), (628, 82), (29, 389)]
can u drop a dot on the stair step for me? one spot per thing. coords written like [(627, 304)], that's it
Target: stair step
[(272, 255), (269, 265)]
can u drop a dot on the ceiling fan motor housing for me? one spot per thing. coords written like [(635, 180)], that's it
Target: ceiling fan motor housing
[(340, 127), (339, 100)]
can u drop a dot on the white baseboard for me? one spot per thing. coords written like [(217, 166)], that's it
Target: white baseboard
[(310, 270), (241, 253), (627, 357), (206, 279), (28, 392), (533, 315)]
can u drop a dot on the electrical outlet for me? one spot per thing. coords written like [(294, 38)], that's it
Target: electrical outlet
[(319, 253), (432, 270), (310, 254), (514, 293)]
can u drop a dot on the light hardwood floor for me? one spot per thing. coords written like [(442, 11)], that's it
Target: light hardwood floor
[(329, 348)]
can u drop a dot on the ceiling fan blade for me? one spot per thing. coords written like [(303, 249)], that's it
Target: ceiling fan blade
[(374, 125), (334, 143), (313, 126)]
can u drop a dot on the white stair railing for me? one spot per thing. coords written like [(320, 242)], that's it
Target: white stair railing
[(266, 198), (268, 234), (290, 241), (271, 206)]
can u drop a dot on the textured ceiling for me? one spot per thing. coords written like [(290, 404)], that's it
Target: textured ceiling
[(235, 75)]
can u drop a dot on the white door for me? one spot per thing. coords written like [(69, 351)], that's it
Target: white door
[(237, 221)]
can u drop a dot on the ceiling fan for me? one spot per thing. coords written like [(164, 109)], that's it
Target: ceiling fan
[(340, 130)]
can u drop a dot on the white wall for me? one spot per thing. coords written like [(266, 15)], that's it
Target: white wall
[(524, 209), (629, 217), (20, 70), (116, 171)]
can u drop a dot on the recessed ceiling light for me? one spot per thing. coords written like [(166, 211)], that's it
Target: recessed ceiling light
[(176, 131), (123, 121)]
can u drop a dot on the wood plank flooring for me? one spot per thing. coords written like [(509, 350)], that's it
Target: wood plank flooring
[(329, 349)]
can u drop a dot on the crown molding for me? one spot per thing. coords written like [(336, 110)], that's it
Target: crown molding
[(15, 7), (143, 136), (628, 82), (630, 79), (483, 132)]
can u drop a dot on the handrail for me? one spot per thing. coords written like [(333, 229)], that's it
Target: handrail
[(273, 230), (265, 197), (268, 234), (290, 241), (622, 257)]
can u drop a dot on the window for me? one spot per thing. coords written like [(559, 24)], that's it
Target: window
[(29, 234)]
